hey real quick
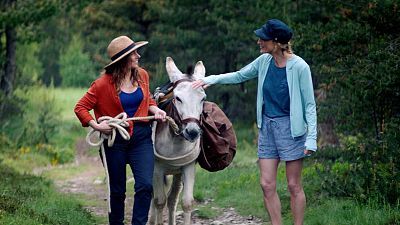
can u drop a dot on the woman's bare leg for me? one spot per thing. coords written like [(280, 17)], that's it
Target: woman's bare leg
[(268, 171), (297, 196)]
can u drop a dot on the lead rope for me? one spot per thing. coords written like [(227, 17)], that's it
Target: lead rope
[(118, 123)]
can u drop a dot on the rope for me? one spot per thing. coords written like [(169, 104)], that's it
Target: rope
[(118, 123), (180, 160)]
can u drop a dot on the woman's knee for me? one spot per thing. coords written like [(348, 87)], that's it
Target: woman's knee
[(268, 187), (295, 188)]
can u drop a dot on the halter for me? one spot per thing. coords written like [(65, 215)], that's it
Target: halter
[(167, 104)]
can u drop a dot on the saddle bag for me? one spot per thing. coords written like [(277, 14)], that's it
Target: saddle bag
[(218, 142)]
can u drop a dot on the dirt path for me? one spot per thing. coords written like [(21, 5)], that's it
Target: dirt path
[(90, 185)]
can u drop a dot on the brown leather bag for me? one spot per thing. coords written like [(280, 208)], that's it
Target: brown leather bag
[(218, 142)]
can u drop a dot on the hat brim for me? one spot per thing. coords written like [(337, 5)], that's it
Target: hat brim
[(261, 34), (137, 45)]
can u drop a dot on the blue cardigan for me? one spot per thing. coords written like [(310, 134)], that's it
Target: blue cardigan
[(303, 115)]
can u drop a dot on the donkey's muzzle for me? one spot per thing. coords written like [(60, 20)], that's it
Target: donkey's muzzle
[(192, 132)]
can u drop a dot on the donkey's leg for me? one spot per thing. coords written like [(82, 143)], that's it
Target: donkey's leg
[(159, 198), (173, 196), (152, 219), (187, 198)]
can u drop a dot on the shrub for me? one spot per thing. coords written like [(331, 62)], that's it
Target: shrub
[(39, 115), (34, 128), (76, 68), (364, 168)]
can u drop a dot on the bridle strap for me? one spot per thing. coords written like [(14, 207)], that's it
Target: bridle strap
[(191, 119), (180, 81), (178, 119)]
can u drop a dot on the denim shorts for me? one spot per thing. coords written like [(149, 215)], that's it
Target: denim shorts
[(275, 140)]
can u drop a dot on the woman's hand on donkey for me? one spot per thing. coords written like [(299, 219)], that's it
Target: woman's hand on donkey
[(199, 83)]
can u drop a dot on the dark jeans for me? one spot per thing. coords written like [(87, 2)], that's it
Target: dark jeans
[(138, 153)]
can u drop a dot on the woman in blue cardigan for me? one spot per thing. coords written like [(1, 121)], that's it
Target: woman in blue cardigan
[(286, 114)]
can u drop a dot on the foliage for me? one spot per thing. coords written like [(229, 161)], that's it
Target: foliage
[(26, 199), (15, 13), (342, 211), (363, 169), (106, 20), (38, 125), (351, 46), (30, 68), (33, 130), (76, 68), (351, 72), (238, 186)]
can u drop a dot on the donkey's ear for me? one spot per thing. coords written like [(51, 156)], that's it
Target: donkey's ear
[(199, 70), (173, 72)]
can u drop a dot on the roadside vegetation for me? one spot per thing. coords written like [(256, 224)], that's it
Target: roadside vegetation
[(51, 49), (238, 187), (26, 145)]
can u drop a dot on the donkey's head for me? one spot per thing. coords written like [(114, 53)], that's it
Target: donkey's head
[(187, 100)]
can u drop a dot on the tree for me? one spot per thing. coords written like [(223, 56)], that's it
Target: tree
[(15, 14), (76, 68), (353, 48)]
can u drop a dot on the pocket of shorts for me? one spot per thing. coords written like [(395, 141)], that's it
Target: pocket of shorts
[(300, 138)]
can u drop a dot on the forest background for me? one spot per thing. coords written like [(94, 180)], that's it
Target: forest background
[(352, 47)]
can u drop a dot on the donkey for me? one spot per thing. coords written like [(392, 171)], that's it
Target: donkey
[(176, 153)]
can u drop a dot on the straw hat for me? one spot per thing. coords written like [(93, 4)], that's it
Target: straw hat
[(121, 47)]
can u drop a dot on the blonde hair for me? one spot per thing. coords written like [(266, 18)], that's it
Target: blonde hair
[(285, 47)]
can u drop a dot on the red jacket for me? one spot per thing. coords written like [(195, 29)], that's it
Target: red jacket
[(104, 100)]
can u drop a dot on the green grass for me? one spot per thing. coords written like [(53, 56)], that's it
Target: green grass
[(349, 212), (25, 162), (238, 186), (65, 173), (66, 98), (25, 154), (70, 130), (207, 212), (30, 200)]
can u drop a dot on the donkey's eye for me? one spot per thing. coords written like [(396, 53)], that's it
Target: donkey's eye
[(178, 99)]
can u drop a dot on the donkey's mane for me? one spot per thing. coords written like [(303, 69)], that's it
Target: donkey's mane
[(188, 76)]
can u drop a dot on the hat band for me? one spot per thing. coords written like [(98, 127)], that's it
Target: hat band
[(116, 56)]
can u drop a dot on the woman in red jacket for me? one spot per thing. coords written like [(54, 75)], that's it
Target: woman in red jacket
[(124, 87)]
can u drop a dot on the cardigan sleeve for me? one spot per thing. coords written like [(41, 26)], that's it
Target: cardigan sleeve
[(246, 73), (307, 92), (85, 104)]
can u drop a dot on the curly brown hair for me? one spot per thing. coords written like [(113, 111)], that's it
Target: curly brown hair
[(119, 69)]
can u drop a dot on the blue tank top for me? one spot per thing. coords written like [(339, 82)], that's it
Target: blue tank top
[(276, 92), (131, 101)]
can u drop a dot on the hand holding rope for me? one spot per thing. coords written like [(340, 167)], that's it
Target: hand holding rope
[(119, 123)]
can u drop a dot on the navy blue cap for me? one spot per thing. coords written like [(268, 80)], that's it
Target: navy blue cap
[(276, 30)]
